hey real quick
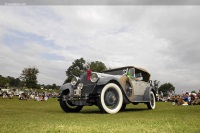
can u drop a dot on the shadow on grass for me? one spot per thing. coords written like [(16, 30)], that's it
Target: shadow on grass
[(93, 110), (134, 109), (83, 111), (126, 110)]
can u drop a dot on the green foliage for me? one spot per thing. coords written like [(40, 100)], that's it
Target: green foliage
[(14, 82), (77, 68), (38, 86), (97, 66), (9, 81), (3, 81), (29, 76), (165, 88), (53, 86), (193, 92), (47, 117)]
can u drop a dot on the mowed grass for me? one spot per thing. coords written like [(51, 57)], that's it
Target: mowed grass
[(29, 116)]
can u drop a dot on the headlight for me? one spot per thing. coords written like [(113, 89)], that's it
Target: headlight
[(94, 77), (80, 86), (74, 81)]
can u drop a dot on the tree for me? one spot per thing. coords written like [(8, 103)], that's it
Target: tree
[(3, 81), (48, 86), (97, 66), (14, 82), (193, 91), (54, 86), (77, 68), (166, 88), (29, 76), (38, 86)]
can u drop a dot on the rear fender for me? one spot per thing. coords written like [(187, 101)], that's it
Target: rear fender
[(147, 93)]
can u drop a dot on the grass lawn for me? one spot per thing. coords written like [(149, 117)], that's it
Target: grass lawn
[(27, 116)]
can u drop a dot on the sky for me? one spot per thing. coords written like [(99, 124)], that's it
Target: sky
[(162, 39)]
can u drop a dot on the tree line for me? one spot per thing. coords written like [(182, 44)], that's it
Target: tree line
[(9, 81), (28, 77)]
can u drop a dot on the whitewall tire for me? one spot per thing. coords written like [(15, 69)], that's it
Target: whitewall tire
[(152, 103), (111, 99)]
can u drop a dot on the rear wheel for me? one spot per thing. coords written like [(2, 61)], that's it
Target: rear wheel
[(111, 99), (152, 103), (67, 106)]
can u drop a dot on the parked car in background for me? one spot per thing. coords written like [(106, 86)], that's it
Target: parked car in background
[(110, 90)]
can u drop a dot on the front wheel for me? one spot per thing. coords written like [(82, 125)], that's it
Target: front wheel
[(123, 107), (111, 99), (152, 103), (67, 106)]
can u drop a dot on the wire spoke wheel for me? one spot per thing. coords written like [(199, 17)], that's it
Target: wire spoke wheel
[(111, 98), (67, 105)]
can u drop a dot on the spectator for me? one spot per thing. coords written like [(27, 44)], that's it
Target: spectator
[(186, 98), (176, 99), (180, 100), (161, 94)]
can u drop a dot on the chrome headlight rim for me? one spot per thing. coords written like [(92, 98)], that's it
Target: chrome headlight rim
[(80, 86), (94, 77), (74, 81)]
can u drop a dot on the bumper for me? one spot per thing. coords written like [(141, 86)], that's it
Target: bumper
[(80, 100)]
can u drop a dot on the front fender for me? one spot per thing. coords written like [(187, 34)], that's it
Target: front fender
[(105, 80), (66, 88)]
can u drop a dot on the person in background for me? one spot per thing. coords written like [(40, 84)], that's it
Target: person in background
[(180, 100), (186, 98), (161, 94)]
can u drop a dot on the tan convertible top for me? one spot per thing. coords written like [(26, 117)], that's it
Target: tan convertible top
[(145, 73), (119, 68)]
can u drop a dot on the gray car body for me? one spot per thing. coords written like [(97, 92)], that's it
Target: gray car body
[(137, 90)]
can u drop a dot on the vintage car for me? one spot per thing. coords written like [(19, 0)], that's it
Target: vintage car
[(110, 90)]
